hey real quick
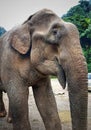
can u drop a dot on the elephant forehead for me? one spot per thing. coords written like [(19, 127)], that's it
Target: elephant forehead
[(43, 18)]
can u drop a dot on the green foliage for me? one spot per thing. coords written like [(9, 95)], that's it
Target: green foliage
[(85, 5), (80, 15), (87, 53), (87, 32)]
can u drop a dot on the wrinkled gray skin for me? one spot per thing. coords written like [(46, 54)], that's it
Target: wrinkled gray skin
[(43, 45)]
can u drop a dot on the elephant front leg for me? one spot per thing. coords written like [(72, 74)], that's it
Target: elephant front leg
[(2, 107), (18, 101), (46, 104)]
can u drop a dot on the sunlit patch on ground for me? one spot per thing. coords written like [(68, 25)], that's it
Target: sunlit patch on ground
[(65, 116)]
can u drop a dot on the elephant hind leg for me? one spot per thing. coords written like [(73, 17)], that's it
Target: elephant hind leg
[(2, 107), (3, 112)]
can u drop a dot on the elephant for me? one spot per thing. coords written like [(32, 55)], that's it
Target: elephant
[(41, 46)]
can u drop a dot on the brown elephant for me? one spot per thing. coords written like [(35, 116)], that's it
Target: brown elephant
[(43, 45)]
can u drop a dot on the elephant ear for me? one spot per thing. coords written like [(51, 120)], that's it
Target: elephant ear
[(20, 39)]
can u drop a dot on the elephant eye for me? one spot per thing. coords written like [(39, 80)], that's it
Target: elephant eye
[(54, 31)]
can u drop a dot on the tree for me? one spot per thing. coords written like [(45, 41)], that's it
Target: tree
[(80, 15), (90, 2), (2, 31), (87, 53)]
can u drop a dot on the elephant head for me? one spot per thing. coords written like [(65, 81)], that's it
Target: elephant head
[(54, 48)]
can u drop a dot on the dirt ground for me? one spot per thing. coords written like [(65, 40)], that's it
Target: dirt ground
[(62, 101)]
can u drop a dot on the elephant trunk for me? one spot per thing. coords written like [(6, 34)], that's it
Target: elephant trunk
[(74, 66), (77, 87), (76, 76)]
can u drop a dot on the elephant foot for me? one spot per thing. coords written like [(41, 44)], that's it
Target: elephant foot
[(9, 120), (3, 113)]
